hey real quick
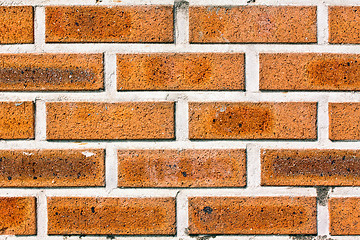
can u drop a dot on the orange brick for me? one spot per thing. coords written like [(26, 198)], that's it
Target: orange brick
[(344, 216), (309, 71), (252, 24), (51, 72), (109, 24), (111, 216), (310, 167), (52, 168), (344, 24), (344, 121), (182, 168), (252, 215), (16, 120), (17, 24), (97, 120), (181, 71), (245, 120), (17, 216)]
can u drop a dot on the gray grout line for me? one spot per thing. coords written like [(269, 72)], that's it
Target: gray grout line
[(251, 70), (111, 168), (40, 120), (41, 213), (181, 120), (181, 24), (181, 214), (253, 166), (110, 74), (39, 28), (322, 24), (323, 121)]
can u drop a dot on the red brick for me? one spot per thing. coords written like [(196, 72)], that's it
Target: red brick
[(309, 71), (344, 216), (51, 72), (181, 71), (17, 24), (182, 168), (17, 216), (16, 120), (252, 24), (245, 120), (310, 167), (344, 121), (252, 215), (111, 216), (344, 24), (109, 24), (52, 168), (100, 121)]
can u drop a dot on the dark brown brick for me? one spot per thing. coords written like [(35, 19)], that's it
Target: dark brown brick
[(252, 24), (252, 215), (51, 72), (111, 216), (181, 71), (182, 168), (245, 120), (109, 24), (52, 168), (100, 121)]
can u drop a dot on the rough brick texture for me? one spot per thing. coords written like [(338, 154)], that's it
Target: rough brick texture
[(111, 216), (225, 120), (126, 120), (51, 72), (17, 24), (310, 71), (17, 216), (310, 167), (344, 121), (52, 168), (182, 168), (252, 24), (344, 24), (344, 216), (252, 215), (190, 71), (17, 120), (109, 24)]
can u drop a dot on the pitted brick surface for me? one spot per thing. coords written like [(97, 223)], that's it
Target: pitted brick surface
[(344, 24)]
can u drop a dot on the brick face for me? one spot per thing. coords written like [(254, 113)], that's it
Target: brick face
[(17, 120), (90, 120), (109, 24), (111, 216), (309, 72), (17, 216), (17, 24), (344, 216), (52, 168), (225, 120), (190, 71), (344, 24), (344, 121), (51, 72), (252, 24), (252, 215), (184, 168)]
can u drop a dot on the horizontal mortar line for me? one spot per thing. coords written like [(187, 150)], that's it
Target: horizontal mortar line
[(218, 237), (275, 2), (128, 48), (86, 2)]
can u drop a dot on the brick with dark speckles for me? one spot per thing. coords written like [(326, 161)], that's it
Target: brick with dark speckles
[(344, 121), (344, 216), (344, 24), (111, 216), (252, 215)]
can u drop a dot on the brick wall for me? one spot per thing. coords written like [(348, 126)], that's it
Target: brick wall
[(155, 119)]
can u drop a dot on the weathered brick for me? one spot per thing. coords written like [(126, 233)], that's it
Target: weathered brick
[(310, 167), (344, 24), (252, 24), (17, 216), (109, 24), (182, 168), (310, 71), (52, 168), (245, 120), (51, 72), (111, 216), (252, 215), (17, 24), (122, 120), (16, 120), (344, 121), (181, 71), (344, 216)]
